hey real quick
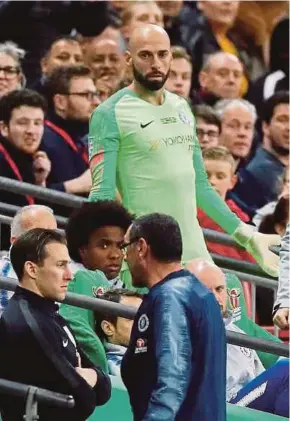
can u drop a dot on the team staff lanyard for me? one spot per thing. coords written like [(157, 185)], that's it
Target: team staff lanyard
[(66, 137), (15, 169)]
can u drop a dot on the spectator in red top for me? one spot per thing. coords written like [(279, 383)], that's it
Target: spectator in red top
[(220, 167)]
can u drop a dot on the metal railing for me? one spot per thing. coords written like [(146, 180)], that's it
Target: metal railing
[(245, 271), (49, 195), (121, 310), (10, 210), (35, 395)]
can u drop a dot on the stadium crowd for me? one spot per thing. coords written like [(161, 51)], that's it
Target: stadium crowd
[(230, 62)]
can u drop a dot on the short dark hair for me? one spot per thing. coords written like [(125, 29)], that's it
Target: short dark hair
[(31, 246), (206, 113), (279, 216), (58, 39), (115, 296), (90, 217), (18, 98), (281, 97), (162, 233), (58, 82)]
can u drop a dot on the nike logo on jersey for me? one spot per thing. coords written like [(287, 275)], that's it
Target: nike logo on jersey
[(65, 343), (145, 125)]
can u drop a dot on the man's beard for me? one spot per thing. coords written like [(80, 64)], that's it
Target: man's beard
[(151, 85), (280, 150)]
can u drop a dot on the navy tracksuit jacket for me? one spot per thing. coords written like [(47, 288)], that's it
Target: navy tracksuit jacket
[(175, 365)]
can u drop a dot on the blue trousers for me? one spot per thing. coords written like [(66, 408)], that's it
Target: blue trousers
[(269, 392)]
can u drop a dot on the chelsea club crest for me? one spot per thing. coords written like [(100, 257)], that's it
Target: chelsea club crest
[(143, 323), (184, 118)]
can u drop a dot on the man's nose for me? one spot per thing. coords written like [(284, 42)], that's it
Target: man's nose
[(68, 276), (2, 74), (115, 253), (242, 132), (212, 180), (96, 100), (231, 78), (179, 81), (30, 128)]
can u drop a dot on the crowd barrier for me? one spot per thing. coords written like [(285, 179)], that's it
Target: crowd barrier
[(33, 396), (246, 271), (116, 409), (129, 313), (48, 195)]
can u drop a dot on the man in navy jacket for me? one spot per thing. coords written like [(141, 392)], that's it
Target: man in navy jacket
[(72, 97), (174, 368)]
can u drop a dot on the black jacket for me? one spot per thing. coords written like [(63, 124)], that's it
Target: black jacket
[(24, 163), (60, 152), (36, 348)]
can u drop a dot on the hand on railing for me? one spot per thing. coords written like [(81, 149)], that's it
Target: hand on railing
[(281, 318)]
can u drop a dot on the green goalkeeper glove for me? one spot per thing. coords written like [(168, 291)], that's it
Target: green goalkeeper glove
[(257, 245)]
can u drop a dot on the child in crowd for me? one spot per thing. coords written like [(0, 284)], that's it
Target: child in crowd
[(220, 167)]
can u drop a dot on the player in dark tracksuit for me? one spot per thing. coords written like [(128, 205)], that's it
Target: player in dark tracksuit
[(37, 346), (22, 359), (175, 366)]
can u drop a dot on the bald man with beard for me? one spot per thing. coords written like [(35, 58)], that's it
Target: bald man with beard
[(143, 142)]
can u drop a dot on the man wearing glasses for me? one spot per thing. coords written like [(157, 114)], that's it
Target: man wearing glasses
[(11, 76), (72, 98), (208, 126), (175, 363)]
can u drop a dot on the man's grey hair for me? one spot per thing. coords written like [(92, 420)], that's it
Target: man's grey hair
[(208, 61), (16, 226), (11, 49), (225, 104)]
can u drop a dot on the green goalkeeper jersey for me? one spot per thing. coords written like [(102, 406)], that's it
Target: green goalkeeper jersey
[(152, 156)]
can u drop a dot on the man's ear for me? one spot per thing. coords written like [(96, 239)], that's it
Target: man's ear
[(83, 254), (31, 269), (265, 128), (128, 58), (142, 247), (60, 102), (108, 328), (4, 130), (202, 78), (200, 5), (234, 180), (125, 30), (43, 65)]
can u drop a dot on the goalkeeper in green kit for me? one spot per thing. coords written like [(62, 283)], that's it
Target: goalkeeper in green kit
[(142, 141)]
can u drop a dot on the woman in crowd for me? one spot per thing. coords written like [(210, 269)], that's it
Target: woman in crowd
[(11, 75)]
